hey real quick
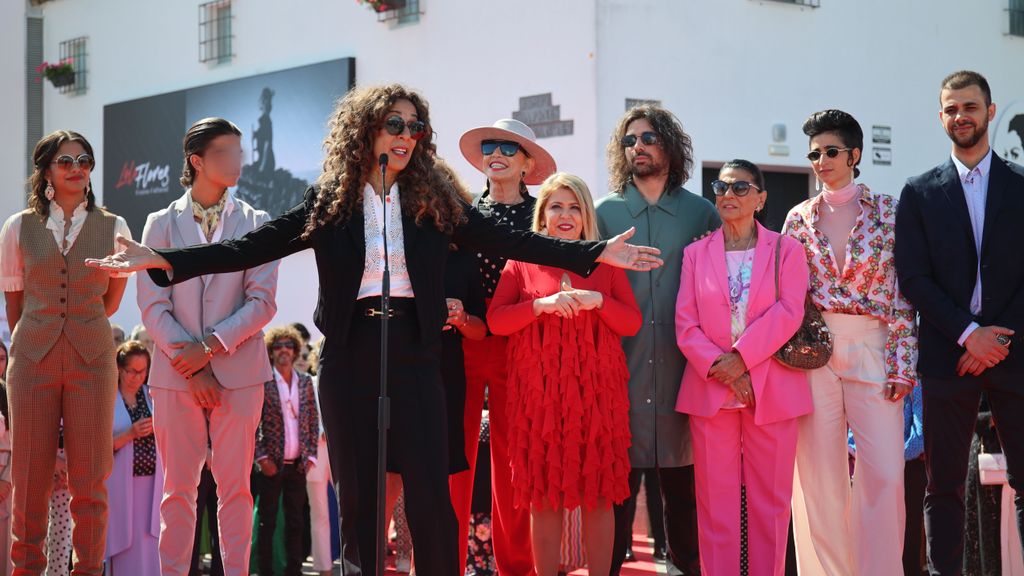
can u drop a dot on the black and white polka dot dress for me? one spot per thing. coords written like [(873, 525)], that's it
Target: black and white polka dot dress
[(518, 216), (144, 463)]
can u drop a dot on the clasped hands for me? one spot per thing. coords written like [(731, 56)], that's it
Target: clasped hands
[(193, 363), (983, 350), (731, 370), (568, 303)]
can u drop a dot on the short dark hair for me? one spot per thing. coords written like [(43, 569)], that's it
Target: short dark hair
[(198, 138), (964, 78), (131, 348), (843, 125), (44, 153), (755, 171), (302, 330), (674, 141)]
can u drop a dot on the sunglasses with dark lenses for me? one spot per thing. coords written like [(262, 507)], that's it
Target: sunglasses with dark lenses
[(830, 151), (395, 126), (648, 138), (739, 187), (66, 161), (507, 148), (279, 345)]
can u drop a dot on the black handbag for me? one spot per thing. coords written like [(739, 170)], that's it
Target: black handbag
[(811, 346)]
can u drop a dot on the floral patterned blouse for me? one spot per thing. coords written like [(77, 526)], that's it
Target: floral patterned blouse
[(867, 285)]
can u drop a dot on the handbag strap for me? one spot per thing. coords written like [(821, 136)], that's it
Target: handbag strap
[(778, 254)]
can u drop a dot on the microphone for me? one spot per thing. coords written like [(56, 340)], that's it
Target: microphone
[(383, 160)]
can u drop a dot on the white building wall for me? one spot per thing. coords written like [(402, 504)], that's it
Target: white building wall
[(12, 106), (730, 69), (472, 61)]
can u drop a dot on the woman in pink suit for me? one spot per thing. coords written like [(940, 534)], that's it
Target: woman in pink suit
[(742, 404)]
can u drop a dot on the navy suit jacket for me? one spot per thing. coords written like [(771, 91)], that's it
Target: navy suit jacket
[(937, 262)]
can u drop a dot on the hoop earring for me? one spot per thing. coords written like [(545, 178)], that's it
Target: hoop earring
[(817, 184), (49, 192)]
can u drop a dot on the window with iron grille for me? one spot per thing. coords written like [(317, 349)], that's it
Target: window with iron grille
[(74, 51), (1016, 10), (401, 12), (808, 3), (215, 32)]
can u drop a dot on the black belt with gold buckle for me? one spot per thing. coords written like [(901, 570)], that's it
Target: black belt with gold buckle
[(377, 312)]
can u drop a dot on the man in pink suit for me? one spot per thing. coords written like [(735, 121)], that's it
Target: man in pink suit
[(742, 403), (210, 361)]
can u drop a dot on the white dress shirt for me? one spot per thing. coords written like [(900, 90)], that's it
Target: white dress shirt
[(12, 264), (373, 266), (290, 410), (975, 184)]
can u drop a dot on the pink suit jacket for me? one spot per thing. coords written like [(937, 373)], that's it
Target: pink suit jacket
[(704, 327)]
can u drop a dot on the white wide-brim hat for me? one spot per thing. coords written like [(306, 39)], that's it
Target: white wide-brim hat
[(513, 131)]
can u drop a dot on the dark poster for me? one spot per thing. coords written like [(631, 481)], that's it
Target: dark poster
[(283, 116)]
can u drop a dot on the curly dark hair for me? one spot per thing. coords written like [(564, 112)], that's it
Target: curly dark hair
[(674, 141), (349, 162), (842, 125), (42, 156)]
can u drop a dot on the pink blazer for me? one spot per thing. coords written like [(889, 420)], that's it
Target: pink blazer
[(704, 326)]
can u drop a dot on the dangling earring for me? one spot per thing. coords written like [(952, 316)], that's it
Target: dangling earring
[(49, 192), (817, 184)]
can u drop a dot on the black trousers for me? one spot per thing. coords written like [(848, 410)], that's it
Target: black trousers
[(680, 517), (207, 500), (289, 487), (417, 440), (915, 478), (655, 508), (950, 413)]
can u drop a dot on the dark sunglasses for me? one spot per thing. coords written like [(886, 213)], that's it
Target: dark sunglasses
[(830, 151), (648, 138), (740, 187), (395, 126), (278, 345), (507, 147), (66, 161)]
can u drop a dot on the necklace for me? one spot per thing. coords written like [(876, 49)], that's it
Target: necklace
[(494, 214), (736, 279)]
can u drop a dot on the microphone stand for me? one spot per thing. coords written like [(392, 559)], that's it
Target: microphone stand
[(383, 402)]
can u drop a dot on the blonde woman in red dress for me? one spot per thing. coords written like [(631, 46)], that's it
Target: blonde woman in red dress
[(568, 402)]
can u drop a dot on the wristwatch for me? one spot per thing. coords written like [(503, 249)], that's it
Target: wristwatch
[(206, 349)]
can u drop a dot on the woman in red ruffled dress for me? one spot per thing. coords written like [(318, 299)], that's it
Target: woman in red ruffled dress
[(568, 401)]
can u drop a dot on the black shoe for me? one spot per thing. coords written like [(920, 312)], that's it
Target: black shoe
[(660, 555), (630, 557)]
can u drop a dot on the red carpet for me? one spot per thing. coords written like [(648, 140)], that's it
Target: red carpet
[(644, 565)]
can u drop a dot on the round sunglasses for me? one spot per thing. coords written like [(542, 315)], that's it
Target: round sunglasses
[(830, 151), (395, 126), (507, 148), (67, 162), (740, 187), (648, 138)]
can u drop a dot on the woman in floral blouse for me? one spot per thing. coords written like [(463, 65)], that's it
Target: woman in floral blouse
[(847, 233)]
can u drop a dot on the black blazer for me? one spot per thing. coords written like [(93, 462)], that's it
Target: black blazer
[(937, 263), (340, 251)]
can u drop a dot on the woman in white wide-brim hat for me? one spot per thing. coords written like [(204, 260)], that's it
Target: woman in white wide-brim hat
[(506, 153)]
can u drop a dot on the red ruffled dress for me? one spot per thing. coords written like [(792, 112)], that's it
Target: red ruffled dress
[(568, 399)]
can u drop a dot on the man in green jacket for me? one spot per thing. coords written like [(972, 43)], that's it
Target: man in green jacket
[(650, 157)]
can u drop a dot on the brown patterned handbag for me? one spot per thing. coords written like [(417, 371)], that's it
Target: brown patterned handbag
[(811, 346)]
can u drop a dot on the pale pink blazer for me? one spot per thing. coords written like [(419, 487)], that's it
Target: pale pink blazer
[(704, 325)]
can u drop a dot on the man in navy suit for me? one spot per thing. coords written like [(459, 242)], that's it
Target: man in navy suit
[(959, 262)]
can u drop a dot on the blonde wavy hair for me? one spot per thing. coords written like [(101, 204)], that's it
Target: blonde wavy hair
[(349, 162), (579, 188)]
